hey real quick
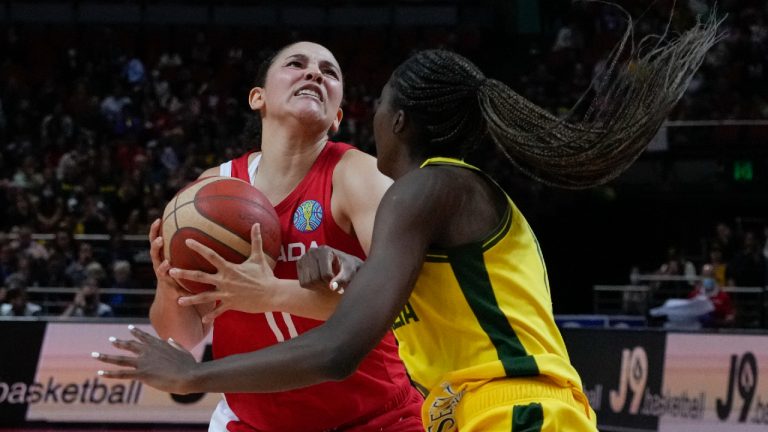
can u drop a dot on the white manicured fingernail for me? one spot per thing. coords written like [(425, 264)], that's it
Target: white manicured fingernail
[(95, 354), (341, 291), (100, 373), (334, 285), (112, 339), (131, 327)]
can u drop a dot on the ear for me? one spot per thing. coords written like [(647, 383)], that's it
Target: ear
[(256, 98), (337, 121), (398, 122)]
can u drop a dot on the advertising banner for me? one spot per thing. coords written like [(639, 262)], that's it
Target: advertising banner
[(67, 389), (621, 371), (20, 341), (713, 383)]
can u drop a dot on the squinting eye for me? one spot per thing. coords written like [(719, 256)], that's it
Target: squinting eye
[(294, 63), (332, 73)]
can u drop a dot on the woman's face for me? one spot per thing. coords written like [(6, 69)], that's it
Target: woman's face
[(304, 82)]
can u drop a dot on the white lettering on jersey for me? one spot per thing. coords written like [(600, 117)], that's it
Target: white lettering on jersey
[(295, 251)]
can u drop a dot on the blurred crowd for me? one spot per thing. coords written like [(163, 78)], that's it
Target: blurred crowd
[(100, 126)]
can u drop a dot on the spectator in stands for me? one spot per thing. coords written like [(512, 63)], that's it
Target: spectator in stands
[(27, 246), (18, 303), (7, 261), (724, 314), (24, 273), (87, 302), (77, 269), (64, 244), (55, 274), (121, 279), (725, 240), (719, 266), (747, 268), (675, 267)]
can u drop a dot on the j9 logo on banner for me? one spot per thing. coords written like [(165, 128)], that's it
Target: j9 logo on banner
[(742, 377), (634, 377)]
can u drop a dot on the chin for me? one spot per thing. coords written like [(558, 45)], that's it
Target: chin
[(313, 117)]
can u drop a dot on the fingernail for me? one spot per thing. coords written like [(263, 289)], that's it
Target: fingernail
[(131, 327), (95, 354), (100, 373), (334, 285), (173, 272), (341, 291), (112, 339), (171, 341)]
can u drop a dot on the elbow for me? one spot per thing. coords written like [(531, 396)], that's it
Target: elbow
[(339, 363)]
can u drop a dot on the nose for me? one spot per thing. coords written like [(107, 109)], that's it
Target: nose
[(313, 73)]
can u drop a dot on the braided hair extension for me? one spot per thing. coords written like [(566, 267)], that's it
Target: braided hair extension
[(455, 106)]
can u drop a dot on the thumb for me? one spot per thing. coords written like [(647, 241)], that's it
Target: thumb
[(212, 315), (257, 254)]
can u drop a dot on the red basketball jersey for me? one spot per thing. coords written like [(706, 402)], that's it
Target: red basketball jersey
[(378, 386)]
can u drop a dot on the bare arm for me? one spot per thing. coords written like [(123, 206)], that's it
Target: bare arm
[(251, 286), (168, 317), (405, 224), (358, 189)]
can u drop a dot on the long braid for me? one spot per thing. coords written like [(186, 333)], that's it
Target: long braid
[(457, 106)]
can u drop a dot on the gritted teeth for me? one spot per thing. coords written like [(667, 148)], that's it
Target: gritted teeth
[(309, 91)]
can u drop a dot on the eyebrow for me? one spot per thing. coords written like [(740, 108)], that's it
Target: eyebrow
[(304, 57)]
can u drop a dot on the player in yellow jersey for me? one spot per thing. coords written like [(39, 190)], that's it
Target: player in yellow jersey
[(453, 265)]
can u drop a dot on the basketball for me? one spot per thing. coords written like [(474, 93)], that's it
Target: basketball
[(219, 213)]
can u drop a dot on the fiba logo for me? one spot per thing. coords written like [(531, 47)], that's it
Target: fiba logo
[(634, 376), (308, 216)]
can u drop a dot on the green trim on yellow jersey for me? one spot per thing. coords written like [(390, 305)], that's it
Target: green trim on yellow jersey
[(441, 255), (471, 274), (484, 311)]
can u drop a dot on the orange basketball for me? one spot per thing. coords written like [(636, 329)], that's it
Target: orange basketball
[(219, 213)]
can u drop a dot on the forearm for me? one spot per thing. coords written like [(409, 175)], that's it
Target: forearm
[(308, 303), (182, 323), (267, 370)]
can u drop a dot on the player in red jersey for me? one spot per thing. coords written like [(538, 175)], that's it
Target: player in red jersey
[(325, 193)]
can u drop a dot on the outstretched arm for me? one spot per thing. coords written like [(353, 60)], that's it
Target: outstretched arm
[(251, 286), (405, 224)]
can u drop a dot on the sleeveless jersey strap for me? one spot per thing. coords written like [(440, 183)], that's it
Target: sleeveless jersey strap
[(448, 161)]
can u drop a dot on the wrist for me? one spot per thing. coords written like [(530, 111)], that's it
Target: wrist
[(279, 300), (193, 382)]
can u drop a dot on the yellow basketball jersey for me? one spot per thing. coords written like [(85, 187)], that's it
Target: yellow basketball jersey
[(483, 310)]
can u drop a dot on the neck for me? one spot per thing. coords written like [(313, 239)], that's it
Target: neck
[(404, 167), (287, 156)]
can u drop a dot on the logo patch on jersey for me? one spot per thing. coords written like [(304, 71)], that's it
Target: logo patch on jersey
[(308, 216)]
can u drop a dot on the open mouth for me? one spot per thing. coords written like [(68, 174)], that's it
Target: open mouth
[(309, 91)]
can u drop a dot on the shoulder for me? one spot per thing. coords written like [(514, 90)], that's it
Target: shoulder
[(210, 172), (34, 309), (104, 310), (355, 160), (243, 161), (356, 173), (423, 192)]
